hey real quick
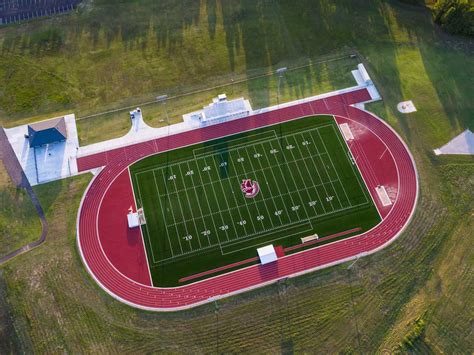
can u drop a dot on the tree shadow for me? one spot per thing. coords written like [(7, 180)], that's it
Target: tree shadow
[(271, 33), (447, 61)]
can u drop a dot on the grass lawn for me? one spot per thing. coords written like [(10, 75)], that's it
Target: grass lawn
[(19, 223), (198, 219), (103, 55), (303, 79)]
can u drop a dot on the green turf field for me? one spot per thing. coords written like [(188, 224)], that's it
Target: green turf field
[(199, 219)]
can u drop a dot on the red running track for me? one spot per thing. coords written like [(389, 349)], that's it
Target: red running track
[(379, 152)]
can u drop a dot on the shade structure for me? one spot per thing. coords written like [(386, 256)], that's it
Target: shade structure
[(267, 254), (47, 132)]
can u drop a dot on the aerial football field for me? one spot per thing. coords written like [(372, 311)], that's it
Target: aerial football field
[(209, 206)]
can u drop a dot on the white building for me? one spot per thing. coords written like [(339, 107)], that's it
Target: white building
[(219, 110), (267, 254), (47, 149)]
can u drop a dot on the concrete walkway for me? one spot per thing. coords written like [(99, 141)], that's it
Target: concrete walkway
[(462, 144)]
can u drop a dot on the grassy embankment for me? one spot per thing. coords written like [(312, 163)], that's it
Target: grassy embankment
[(418, 291)]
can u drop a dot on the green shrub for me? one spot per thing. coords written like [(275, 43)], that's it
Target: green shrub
[(415, 333), (455, 16)]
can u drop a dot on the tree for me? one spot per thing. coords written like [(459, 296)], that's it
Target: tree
[(455, 16)]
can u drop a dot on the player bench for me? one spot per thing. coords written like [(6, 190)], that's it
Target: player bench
[(309, 238)]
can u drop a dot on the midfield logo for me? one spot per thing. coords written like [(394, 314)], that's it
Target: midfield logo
[(249, 188)]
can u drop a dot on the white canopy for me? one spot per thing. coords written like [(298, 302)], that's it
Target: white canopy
[(133, 220), (267, 254)]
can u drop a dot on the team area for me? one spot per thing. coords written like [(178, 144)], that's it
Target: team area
[(210, 206)]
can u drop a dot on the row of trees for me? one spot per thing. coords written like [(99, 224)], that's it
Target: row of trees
[(454, 16)]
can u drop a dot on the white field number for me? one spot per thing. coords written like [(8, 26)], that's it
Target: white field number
[(240, 160), (189, 173), (278, 213), (306, 143), (312, 203), (206, 168), (206, 232), (188, 237), (224, 227), (257, 155), (295, 208), (329, 198), (290, 146), (273, 151), (172, 177), (260, 218), (223, 164)]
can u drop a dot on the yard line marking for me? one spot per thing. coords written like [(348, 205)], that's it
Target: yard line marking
[(216, 230), (337, 173), (261, 192), (357, 173), (210, 209), (311, 175), (239, 180), (257, 234), (182, 213), (273, 198), (232, 176), (170, 165), (200, 208), (334, 190), (172, 212), (236, 146), (225, 198), (247, 150), (299, 171), (147, 233), (317, 169), (292, 178), (213, 187), (164, 218), (231, 187), (190, 211), (327, 172), (266, 199), (310, 228), (278, 185)]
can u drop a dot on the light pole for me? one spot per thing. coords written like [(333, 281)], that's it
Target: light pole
[(216, 312), (280, 72), (163, 98)]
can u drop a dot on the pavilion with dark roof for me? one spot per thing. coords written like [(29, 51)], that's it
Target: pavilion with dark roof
[(47, 132)]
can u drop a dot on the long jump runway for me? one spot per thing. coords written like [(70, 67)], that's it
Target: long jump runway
[(121, 268)]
